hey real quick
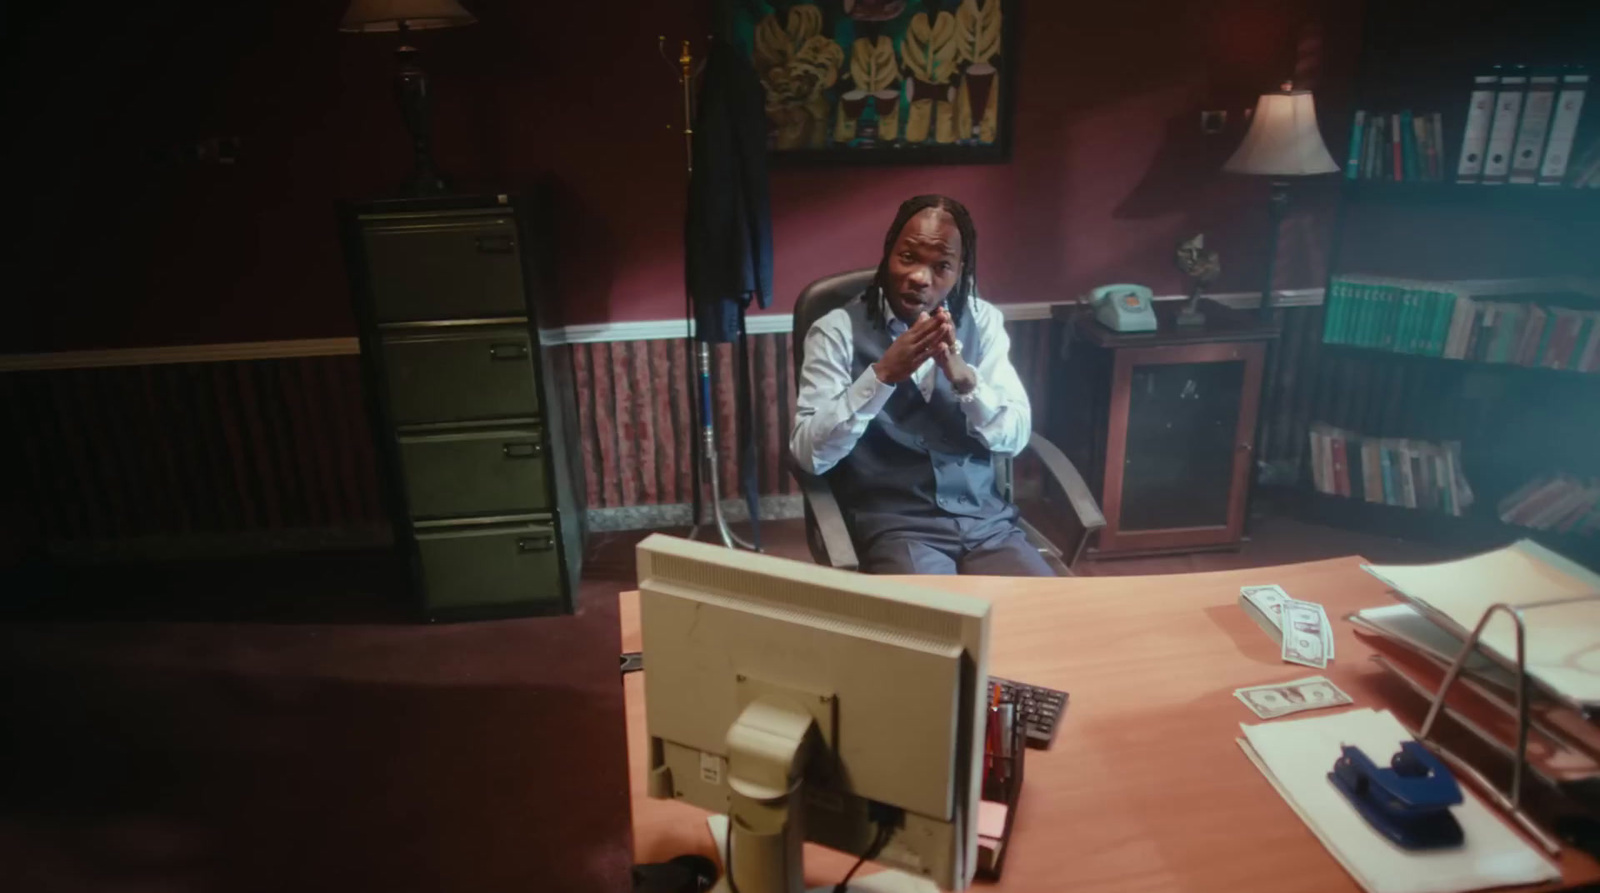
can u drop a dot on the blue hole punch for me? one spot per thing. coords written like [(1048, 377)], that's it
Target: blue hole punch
[(1409, 803)]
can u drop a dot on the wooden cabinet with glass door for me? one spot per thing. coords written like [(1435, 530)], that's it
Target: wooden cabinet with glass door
[(1162, 424)]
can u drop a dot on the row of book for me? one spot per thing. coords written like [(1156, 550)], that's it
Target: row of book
[(1560, 502), (1443, 319), (1521, 127), (1398, 146), (1389, 470)]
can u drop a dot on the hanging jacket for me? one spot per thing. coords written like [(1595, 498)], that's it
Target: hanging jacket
[(728, 231)]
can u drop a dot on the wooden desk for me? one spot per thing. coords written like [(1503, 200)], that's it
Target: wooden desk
[(1145, 787)]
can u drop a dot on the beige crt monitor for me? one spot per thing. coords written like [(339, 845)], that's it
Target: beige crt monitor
[(812, 703)]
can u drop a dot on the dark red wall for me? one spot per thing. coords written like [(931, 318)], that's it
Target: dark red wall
[(127, 244)]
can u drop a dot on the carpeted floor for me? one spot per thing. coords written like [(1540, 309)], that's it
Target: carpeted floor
[(267, 726)]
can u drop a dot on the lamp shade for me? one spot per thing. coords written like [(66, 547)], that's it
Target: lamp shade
[(418, 15), (1283, 140)]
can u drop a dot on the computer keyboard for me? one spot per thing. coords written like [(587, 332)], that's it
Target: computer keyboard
[(1041, 708)]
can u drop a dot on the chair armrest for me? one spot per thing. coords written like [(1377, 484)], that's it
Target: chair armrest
[(1069, 480), (826, 520)]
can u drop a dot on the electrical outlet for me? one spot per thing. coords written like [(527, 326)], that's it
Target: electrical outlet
[(216, 150)]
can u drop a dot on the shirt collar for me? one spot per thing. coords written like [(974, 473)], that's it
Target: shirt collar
[(892, 322)]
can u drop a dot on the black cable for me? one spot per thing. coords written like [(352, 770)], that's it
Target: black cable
[(879, 841)]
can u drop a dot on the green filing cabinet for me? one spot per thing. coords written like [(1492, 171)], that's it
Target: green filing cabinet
[(474, 419)]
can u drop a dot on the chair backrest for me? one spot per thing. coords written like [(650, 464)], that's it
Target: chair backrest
[(819, 299)]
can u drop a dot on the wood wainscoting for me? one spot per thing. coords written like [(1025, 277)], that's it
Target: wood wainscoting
[(191, 451)]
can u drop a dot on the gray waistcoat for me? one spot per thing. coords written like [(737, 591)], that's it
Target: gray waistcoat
[(916, 458)]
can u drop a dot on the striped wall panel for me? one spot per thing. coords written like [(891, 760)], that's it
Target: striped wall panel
[(269, 445), (194, 448), (634, 409), (638, 431)]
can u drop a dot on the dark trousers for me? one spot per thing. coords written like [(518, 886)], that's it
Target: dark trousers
[(948, 544)]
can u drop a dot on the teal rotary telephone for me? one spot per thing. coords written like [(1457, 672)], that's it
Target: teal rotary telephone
[(1124, 308)]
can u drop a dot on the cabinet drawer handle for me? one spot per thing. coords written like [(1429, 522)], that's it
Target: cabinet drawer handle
[(522, 450), (536, 543), (508, 351), (495, 244)]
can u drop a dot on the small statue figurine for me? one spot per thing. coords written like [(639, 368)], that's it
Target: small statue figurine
[(1202, 267)]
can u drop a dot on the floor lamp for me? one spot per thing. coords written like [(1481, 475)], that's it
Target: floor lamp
[(1283, 143), (410, 81)]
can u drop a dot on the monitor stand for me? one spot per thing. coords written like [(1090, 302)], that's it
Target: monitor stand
[(888, 881), (769, 745)]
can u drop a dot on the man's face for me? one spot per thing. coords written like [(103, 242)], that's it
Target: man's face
[(924, 264)]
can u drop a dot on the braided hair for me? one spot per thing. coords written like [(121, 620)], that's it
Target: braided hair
[(964, 288)]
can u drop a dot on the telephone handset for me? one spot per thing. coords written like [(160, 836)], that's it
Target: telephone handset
[(1124, 307)]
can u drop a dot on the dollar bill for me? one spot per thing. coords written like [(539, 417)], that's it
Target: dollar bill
[(1327, 634), (1304, 634), (1284, 698), (1265, 604)]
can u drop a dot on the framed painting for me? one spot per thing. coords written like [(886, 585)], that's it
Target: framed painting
[(895, 81)]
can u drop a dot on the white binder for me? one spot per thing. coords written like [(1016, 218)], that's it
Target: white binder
[(1535, 126), (1476, 136), (1563, 129), (1503, 131)]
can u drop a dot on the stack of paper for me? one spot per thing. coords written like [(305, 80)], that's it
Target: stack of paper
[(1419, 639), (1297, 755), (1562, 641)]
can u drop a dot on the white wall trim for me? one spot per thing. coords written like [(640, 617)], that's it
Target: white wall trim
[(587, 333), (775, 323), (180, 353), (653, 330), (681, 514)]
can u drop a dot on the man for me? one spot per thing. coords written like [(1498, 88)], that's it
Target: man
[(906, 393)]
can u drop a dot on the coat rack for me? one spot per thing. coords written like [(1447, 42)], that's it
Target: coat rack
[(705, 463)]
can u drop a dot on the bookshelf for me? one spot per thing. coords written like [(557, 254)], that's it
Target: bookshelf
[(1511, 369), (1537, 200), (1506, 244), (1474, 532)]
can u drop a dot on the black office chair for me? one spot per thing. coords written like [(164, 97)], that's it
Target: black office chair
[(826, 532)]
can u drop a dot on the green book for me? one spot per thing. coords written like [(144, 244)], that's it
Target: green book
[(1407, 329), (1330, 314), (1389, 319), (1419, 319), (1340, 313), (1420, 310), (1360, 306), (1354, 291), (1372, 308), (1408, 146), (1432, 300), (1444, 314)]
